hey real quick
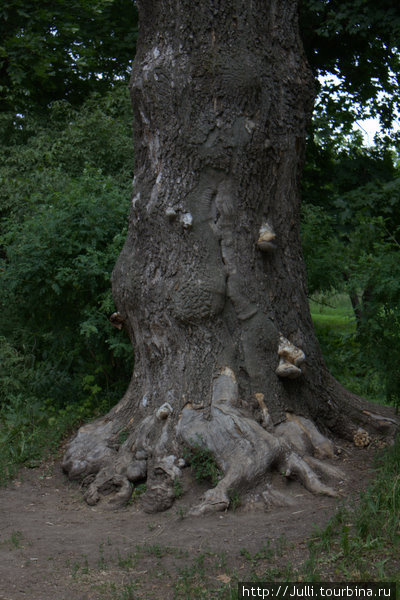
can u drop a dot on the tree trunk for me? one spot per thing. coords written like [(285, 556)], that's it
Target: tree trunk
[(211, 282)]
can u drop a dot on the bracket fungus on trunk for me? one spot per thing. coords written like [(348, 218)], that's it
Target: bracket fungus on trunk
[(187, 220), (266, 238), (164, 411), (117, 320), (290, 359)]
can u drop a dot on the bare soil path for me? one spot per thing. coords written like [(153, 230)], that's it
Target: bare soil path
[(55, 547)]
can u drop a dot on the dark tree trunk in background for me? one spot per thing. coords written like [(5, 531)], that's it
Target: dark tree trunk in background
[(211, 282)]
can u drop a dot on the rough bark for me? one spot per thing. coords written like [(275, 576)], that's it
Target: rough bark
[(211, 281)]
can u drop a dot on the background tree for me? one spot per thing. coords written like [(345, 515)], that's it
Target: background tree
[(63, 50), (211, 283), (357, 43), (351, 190)]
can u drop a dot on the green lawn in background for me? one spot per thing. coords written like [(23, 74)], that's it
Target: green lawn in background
[(334, 310)]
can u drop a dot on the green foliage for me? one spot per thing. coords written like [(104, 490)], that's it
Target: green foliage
[(234, 499), (322, 250), (350, 237), (202, 461), (63, 50), (357, 42), (63, 222), (123, 436), (333, 309), (138, 491), (31, 426), (41, 155), (379, 328), (378, 514), (55, 278), (342, 353)]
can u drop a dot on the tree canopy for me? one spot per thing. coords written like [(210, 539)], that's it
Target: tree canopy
[(63, 50), (358, 43)]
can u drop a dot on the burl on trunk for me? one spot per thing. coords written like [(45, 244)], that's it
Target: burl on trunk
[(211, 283)]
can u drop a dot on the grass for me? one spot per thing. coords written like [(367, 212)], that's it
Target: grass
[(31, 430), (14, 541), (362, 542), (202, 462), (335, 327), (333, 311)]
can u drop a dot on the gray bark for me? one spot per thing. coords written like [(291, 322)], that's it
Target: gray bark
[(211, 281)]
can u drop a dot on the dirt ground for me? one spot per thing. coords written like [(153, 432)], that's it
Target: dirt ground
[(55, 547)]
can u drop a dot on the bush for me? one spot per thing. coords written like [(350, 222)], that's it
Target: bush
[(40, 155), (55, 291), (65, 198)]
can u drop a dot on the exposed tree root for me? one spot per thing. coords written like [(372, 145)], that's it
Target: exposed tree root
[(88, 451), (273, 498), (244, 450)]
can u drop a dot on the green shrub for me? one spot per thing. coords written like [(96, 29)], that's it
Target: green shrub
[(55, 290), (64, 197)]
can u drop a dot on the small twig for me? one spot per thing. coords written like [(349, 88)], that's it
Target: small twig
[(321, 303), (391, 236)]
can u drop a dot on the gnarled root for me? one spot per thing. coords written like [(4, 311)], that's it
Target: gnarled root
[(160, 493), (273, 498), (89, 450), (297, 467), (245, 451), (106, 471), (110, 484)]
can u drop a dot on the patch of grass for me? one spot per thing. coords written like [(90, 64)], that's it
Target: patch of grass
[(15, 540), (334, 310), (234, 499), (202, 461), (126, 562), (266, 553), (113, 591), (364, 539), (178, 489), (128, 592), (123, 436), (335, 327), (138, 491), (31, 429), (197, 580), (101, 563), (181, 513)]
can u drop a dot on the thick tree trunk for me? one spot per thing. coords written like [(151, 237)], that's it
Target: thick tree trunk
[(211, 281)]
